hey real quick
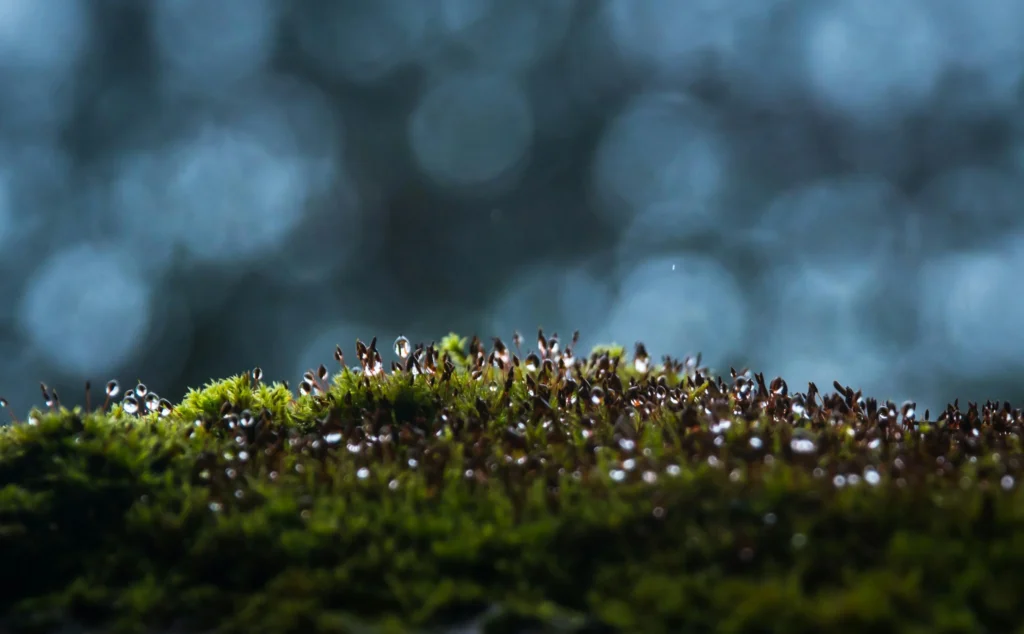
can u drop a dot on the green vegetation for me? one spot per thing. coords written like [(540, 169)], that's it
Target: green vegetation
[(531, 489)]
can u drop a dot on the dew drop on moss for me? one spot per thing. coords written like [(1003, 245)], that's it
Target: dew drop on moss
[(1006, 482), (141, 390), (333, 438), (3, 402), (402, 347), (596, 395), (112, 388), (305, 387), (532, 362), (363, 473), (152, 402), (130, 404)]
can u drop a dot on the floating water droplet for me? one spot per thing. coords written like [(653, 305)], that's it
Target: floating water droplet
[(130, 405), (112, 389), (141, 390), (402, 347)]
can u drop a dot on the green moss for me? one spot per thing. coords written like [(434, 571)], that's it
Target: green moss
[(460, 485)]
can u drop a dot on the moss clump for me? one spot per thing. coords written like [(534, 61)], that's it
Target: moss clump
[(536, 490)]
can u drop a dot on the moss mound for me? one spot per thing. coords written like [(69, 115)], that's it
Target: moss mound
[(528, 492)]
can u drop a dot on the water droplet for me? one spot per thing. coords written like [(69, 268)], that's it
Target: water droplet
[(363, 473), (799, 540), (650, 477), (112, 388), (402, 347), (413, 463), (393, 485), (165, 408), (673, 470), (756, 442), (257, 374), (243, 456), (321, 372), (152, 402), (641, 360), (658, 512), (3, 402), (1006, 482), (627, 444), (629, 465), (618, 475), (204, 474), (245, 418), (871, 477), (839, 481), (141, 390), (239, 494), (802, 445), (596, 395), (532, 362), (231, 473), (130, 404), (333, 438), (770, 519), (305, 387), (216, 507)]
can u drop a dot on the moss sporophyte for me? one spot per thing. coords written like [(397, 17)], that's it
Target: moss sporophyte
[(529, 489)]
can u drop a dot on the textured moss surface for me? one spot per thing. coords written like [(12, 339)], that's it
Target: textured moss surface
[(532, 489)]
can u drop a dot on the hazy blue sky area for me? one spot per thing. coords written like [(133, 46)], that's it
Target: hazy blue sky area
[(818, 189)]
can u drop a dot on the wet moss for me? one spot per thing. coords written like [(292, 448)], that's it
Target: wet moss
[(564, 493)]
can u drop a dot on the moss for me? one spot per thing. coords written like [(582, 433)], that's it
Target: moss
[(597, 495)]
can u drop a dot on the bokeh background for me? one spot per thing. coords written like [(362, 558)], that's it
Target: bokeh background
[(818, 189)]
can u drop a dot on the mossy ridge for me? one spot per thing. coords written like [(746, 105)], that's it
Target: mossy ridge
[(573, 493)]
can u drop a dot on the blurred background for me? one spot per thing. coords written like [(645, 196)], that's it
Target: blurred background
[(818, 189)]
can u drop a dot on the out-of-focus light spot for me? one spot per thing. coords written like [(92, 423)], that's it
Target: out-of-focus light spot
[(40, 43), (506, 36), (85, 309), (873, 58), (849, 219), (228, 190), (209, 44), (364, 41), (668, 35), (814, 317), (971, 205), (471, 130), (973, 307), (661, 160), (699, 307)]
